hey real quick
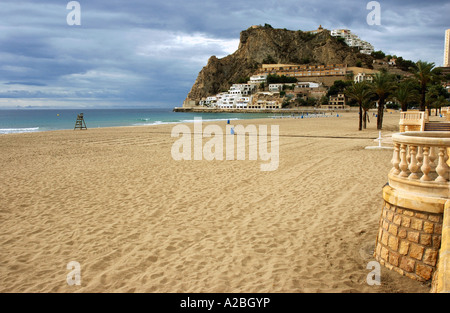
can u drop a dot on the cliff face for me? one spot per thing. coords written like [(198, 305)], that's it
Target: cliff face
[(279, 45)]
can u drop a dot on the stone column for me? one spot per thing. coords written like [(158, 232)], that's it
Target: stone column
[(409, 235)]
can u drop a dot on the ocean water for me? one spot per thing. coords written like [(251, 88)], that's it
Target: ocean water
[(35, 120)]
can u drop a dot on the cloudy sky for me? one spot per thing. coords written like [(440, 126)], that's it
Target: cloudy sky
[(147, 53)]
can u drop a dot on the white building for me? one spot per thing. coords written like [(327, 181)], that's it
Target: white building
[(238, 96), (228, 101), (225, 100), (210, 101), (275, 87), (360, 77), (258, 79), (242, 89), (353, 40), (307, 85)]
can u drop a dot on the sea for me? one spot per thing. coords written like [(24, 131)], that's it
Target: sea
[(37, 120)]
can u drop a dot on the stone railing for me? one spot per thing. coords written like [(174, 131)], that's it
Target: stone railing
[(446, 113), (416, 208), (420, 163), (413, 121)]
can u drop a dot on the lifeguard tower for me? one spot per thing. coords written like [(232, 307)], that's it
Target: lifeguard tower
[(80, 123)]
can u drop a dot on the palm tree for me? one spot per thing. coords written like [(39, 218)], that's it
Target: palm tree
[(366, 105), (360, 92), (436, 97), (440, 102), (424, 75), (405, 93), (382, 86)]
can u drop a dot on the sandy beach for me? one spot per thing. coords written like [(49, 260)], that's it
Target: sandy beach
[(136, 220)]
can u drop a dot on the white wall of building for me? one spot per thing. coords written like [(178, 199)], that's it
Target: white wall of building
[(353, 40)]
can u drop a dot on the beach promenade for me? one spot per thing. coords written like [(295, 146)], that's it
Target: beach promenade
[(136, 220)]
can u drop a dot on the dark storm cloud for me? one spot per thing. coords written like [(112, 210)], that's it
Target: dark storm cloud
[(151, 51)]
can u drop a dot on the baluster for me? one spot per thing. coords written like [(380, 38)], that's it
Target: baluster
[(419, 156), (426, 164), (403, 164), (432, 157), (396, 159), (413, 167), (446, 156), (442, 167)]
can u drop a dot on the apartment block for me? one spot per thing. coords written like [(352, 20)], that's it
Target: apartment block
[(353, 40), (304, 70), (447, 49)]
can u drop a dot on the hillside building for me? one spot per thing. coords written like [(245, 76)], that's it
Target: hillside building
[(266, 100), (361, 77), (303, 85), (242, 89), (304, 70), (275, 87), (318, 30), (258, 79), (353, 40), (338, 101)]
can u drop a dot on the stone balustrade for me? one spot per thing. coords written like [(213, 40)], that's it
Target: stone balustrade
[(413, 121), (421, 163), (446, 113), (415, 199)]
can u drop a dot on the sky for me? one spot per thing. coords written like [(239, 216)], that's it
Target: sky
[(148, 53)]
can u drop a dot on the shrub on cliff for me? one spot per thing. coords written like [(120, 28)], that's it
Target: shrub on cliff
[(276, 79)]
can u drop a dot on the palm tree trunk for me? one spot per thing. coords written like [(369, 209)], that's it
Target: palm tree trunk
[(380, 114), (360, 116), (404, 107), (422, 100), (365, 119)]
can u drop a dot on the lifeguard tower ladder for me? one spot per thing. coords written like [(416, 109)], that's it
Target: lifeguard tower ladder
[(80, 123)]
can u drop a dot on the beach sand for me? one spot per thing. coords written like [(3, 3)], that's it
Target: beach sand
[(136, 220)]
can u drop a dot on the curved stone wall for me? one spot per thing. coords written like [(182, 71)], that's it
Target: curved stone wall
[(409, 239)]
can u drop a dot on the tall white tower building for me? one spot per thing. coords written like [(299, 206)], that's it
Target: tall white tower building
[(447, 49)]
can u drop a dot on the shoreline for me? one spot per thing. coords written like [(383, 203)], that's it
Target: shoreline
[(268, 111), (164, 123)]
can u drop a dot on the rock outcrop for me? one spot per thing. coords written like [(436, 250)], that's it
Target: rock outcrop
[(265, 44)]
